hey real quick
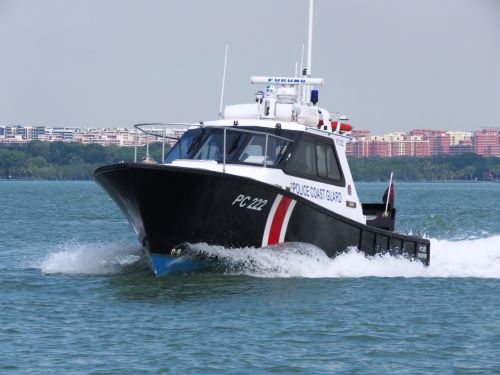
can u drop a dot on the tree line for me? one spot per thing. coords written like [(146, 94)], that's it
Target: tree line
[(65, 161), (74, 161), (462, 167)]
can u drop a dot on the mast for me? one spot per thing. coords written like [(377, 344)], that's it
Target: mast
[(300, 88), (309, 38), (307, 89)]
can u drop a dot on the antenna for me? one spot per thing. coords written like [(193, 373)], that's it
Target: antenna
[(300, 72), (302, 59), (223, 82), (308, 88), (309, 38)]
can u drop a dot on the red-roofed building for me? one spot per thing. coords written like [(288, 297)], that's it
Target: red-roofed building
[(486, 142)]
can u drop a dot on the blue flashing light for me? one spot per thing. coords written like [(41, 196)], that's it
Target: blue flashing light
[(314, 96)]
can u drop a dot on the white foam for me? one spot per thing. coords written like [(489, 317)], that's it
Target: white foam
[(467, 258), (92, 259)]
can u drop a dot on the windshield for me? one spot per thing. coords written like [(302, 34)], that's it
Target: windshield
[(242, 146), (255, 151), (185, 145)]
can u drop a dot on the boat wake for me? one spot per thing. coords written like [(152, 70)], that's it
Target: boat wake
[(467, 258), (94, 259)]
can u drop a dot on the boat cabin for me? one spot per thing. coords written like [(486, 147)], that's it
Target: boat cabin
[(297, 153)]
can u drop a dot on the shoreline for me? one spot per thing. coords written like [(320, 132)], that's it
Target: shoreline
[(356, 181)]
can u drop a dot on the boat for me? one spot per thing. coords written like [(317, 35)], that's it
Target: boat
[(267, 173)]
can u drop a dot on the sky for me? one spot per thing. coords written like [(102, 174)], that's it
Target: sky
[(388, 65)]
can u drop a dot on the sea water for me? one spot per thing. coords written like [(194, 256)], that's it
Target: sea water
[(77, 294)]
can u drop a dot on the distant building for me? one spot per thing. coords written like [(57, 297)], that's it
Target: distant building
[(58, 134), (388, 145), (439, 143), (417, 142), (458, 136), (486, 142), (462, 147), (423, 142), (122, 137)]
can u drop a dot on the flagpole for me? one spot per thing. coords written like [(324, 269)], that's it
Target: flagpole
[(388, 195)]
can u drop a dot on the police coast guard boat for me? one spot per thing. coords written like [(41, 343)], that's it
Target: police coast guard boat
[(269, 172)]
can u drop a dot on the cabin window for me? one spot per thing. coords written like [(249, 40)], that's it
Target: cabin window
[(321, 152), (303, 159), (241, 146), (327, 162), (189, 142), (201, 144), (254, 152), (315, 159), (212, 148)]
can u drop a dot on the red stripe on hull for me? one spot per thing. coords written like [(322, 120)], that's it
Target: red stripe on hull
[(279, 216)]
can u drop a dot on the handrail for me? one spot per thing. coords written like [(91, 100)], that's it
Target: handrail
[(180, 124), (237, 129), (163, 133), (224, 152), (163, 125), (265, 152)]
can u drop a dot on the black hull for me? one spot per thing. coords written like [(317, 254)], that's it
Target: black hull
[(169, 206)]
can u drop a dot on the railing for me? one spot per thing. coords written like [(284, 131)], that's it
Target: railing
[(155, 132), (160, 132)]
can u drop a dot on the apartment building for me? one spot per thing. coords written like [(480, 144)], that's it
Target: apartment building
[(122, 137), (417, 142), (486, 142), (389, 145), (425, 142)]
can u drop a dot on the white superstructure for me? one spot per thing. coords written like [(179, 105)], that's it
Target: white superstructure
[(289, 103)]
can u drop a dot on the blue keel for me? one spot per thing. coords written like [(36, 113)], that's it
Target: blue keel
[(167, 264)]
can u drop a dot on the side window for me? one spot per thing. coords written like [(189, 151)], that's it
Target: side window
[(315, 159), (332, 165), (321, 152), (304, 158), (328, 166)]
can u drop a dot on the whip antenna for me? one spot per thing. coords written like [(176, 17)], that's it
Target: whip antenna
[(223, 82), (307, 70), (301, 72), (310, 38)]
